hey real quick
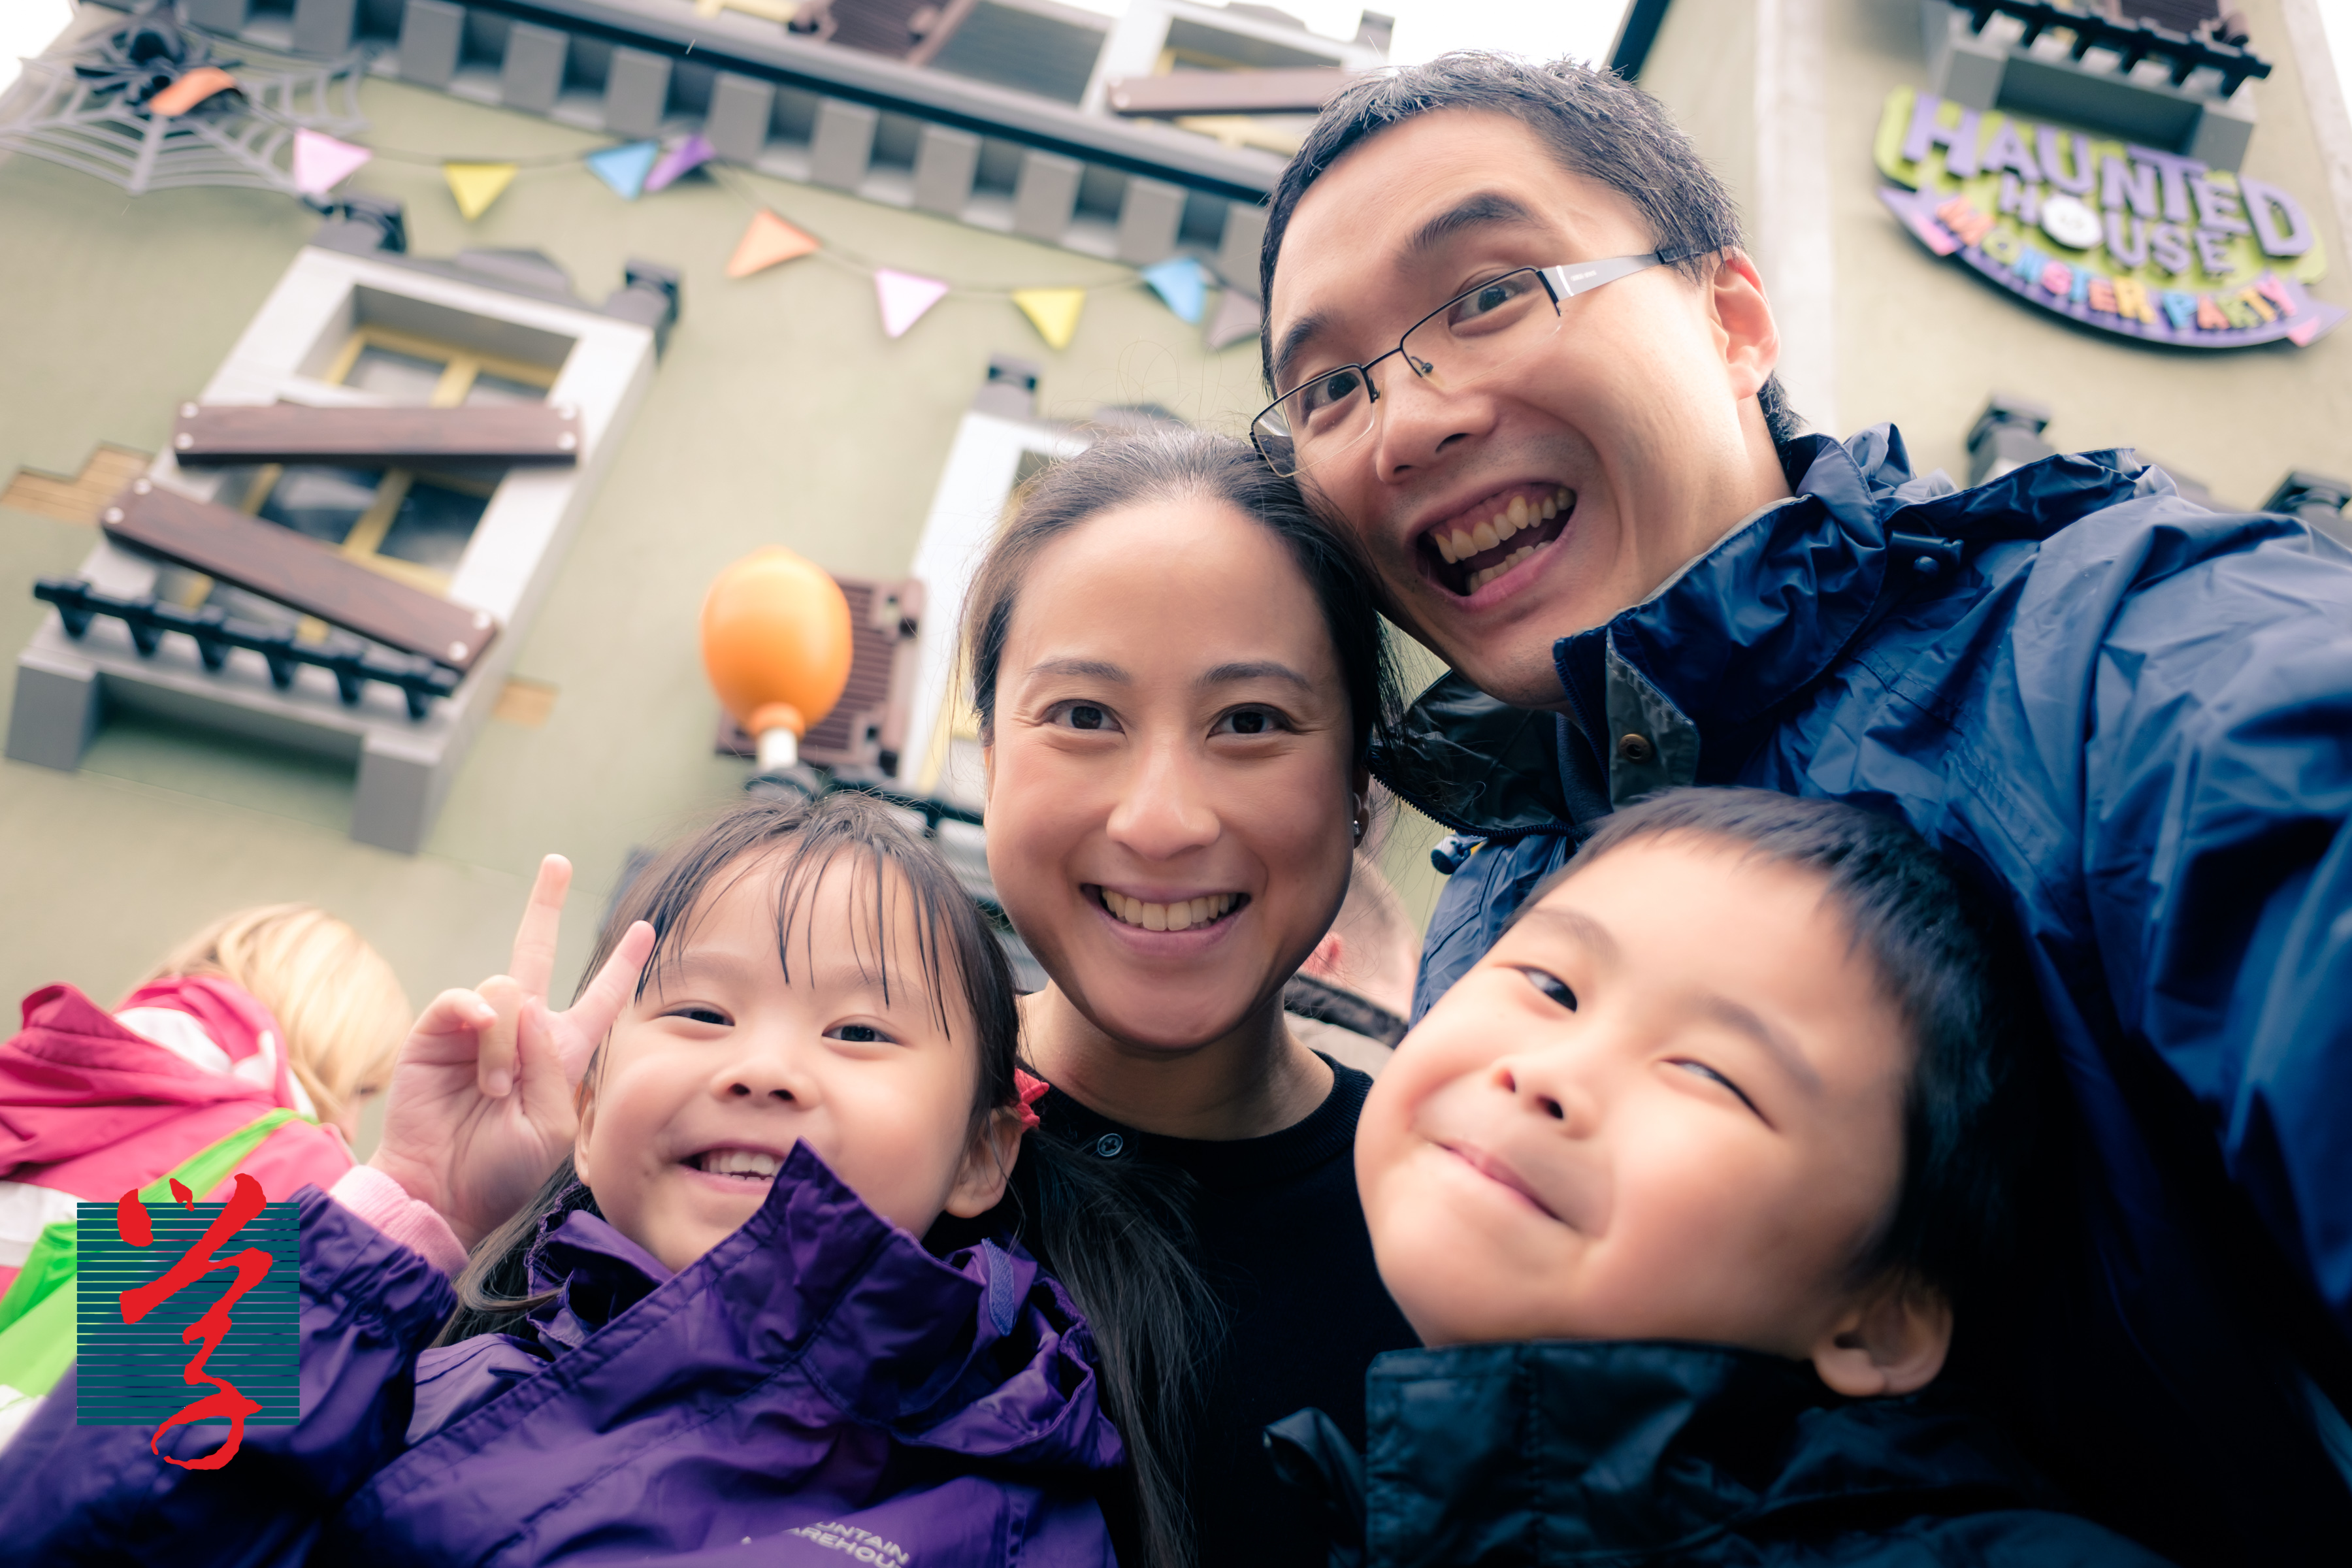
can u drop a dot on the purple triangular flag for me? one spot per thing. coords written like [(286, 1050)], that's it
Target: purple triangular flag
[(687, 155)]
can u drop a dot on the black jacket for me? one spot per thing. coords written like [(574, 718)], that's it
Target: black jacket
[(1497, 1456)]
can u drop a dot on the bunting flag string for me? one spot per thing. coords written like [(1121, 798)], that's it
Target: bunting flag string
[(635, 169)]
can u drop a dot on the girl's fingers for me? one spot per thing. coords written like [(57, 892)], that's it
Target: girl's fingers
[(454, 1012), (494, 1060), (534, 945), (591, 1017)]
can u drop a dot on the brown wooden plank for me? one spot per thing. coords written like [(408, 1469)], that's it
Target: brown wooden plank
[(298, 573), (1298, 91), (295, 433)]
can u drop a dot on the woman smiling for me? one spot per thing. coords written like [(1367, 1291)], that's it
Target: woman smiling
[(1179, 675)]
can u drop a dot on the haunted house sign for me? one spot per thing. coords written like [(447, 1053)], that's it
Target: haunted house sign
[(2133, 240)]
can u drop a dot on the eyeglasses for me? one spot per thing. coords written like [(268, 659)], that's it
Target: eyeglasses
[(1462, 343)]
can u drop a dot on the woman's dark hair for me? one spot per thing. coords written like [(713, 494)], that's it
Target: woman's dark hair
[(1979, 1110), (1125, 1261), (1597, 124), (1168, 465)]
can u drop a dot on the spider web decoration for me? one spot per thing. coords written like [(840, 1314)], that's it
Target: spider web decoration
[(88, 111)]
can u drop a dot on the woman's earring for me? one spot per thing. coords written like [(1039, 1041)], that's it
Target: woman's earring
[(1358, 825)]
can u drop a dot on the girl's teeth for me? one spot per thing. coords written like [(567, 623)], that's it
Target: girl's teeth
[(1182, 915)]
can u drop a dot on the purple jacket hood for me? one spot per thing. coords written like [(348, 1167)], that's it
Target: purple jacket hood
[(815, 1385)]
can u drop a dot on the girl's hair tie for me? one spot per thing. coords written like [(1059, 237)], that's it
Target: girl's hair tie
[(1030, 1090)]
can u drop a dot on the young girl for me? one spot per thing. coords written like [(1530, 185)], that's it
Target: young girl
[(713, 1336)]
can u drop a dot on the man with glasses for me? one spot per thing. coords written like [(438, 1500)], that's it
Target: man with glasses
[(1523, 360)]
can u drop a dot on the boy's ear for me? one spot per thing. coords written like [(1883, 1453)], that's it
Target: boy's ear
[(1891, 1339), (987, 1165)]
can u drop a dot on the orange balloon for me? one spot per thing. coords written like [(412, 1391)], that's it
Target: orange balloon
[(775, 641)]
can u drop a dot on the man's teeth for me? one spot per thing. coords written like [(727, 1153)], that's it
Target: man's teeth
[(1460, 543), (737, 1163), (1182, 916), (1479, 579)]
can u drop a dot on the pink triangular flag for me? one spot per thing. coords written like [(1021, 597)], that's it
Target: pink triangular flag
[(321, 162), (905, 298), (681, 159)]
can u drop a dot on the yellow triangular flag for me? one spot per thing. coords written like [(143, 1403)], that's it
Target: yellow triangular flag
[(477, 185), (1053, 312), (768, 240)]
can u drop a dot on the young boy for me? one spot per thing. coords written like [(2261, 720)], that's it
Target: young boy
[(1685, 1186)]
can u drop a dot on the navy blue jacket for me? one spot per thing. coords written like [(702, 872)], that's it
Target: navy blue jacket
[(2132, 718), (1510, 1455)]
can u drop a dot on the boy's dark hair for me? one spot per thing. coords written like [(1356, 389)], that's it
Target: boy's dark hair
[(1171, 464), (1599, 126), (1125, 1261), (1976, 1111)]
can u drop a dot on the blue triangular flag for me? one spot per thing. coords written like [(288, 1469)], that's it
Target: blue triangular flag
[(1178, 281), (625, 168)]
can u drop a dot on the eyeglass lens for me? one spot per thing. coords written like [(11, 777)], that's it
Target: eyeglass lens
[(1462, 343)]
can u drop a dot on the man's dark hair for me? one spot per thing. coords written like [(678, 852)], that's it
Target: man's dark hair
[(1598, 124), (1980, 1103)]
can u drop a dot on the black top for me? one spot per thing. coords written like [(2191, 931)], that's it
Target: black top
[(1281, 1240)]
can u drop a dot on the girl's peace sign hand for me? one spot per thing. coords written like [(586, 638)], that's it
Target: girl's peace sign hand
[(482, 1106)]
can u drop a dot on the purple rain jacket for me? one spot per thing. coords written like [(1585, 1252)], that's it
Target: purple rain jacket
[(816, 1390)]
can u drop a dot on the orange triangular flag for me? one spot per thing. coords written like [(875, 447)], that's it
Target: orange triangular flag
[(769, 240)]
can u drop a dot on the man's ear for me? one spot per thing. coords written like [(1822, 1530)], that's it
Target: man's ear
[(1891, 1339), (1745, 331), (987, 1165)]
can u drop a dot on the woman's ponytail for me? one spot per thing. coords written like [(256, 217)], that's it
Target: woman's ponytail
[(1119, 1237)]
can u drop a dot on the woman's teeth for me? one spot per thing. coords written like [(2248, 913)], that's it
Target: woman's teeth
[(1179, 916), (1460, 543), (753, 1163)]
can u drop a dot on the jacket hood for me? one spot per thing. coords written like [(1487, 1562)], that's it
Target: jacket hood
[(1743, 629), (980, 1353), (1562, 1451), (73, 1056)]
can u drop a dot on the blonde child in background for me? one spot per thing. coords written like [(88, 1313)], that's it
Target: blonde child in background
[(250, 1048)]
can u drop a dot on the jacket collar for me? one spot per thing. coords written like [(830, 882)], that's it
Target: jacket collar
[(894, 1337), (1629, 1447), (1693, 671)]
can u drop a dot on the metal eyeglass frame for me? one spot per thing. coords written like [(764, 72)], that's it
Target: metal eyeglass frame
[(1561, 282)]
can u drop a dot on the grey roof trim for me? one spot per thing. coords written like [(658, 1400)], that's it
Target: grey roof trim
[(1236, 173)]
